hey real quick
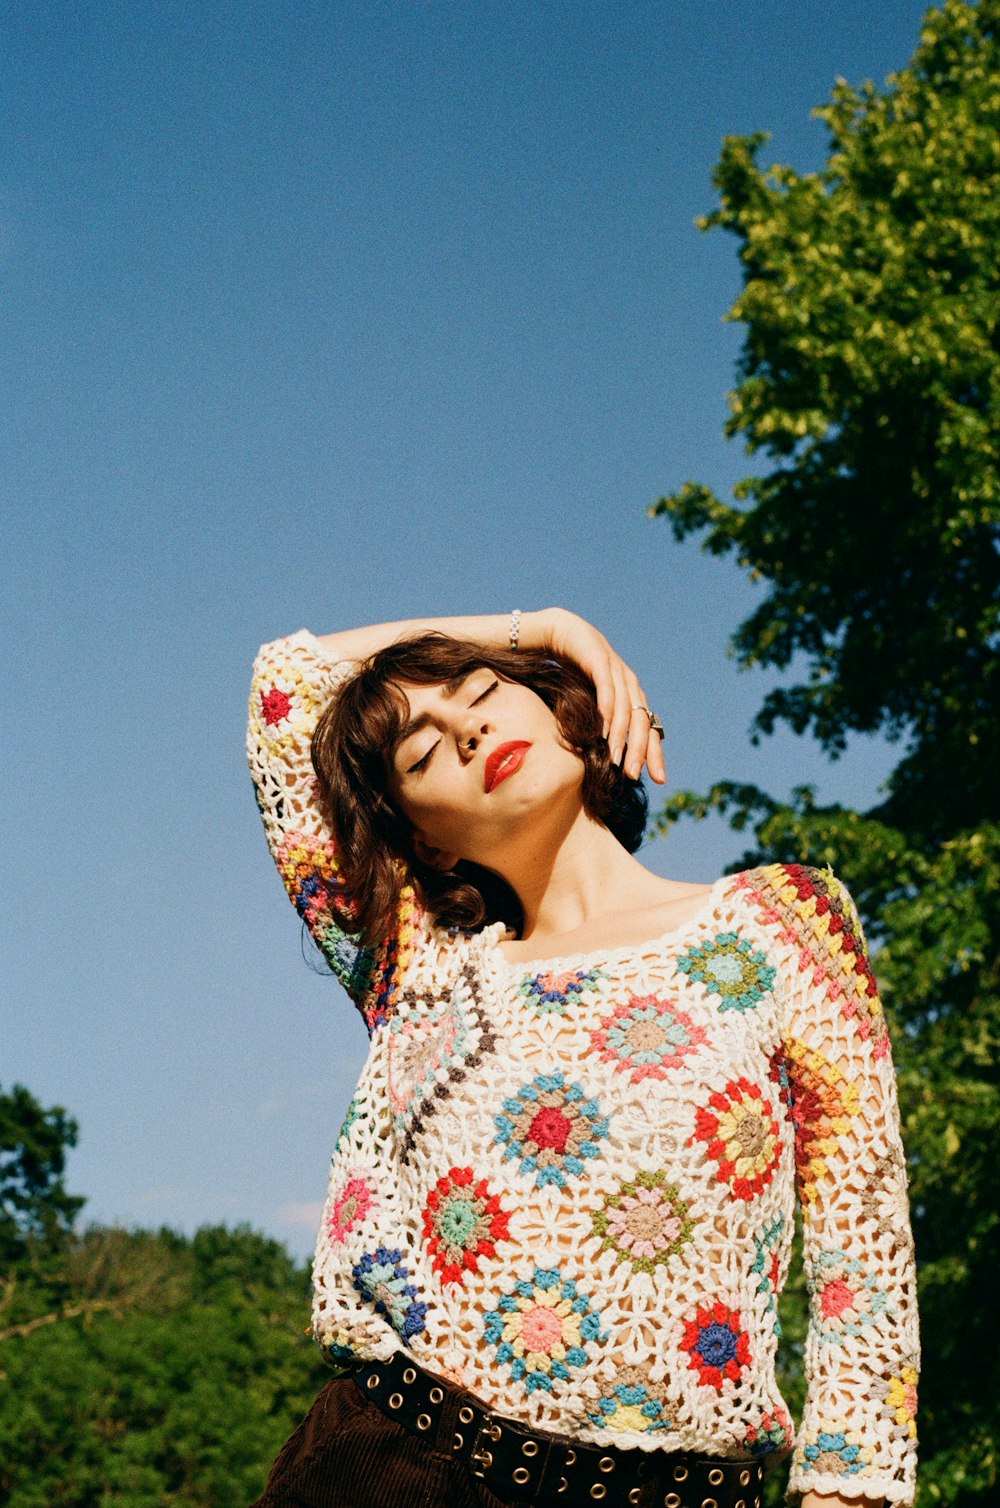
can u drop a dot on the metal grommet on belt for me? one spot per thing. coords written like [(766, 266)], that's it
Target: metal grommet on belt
[(563, 1485), (409, 1375), (672, 1500), (598, 1491), (529, 1448), (396, 1401), (423, 1421), (571, 1458), (465, 1414), (709, 1503), (522, 1475), (375, 1379), (715, 1476), (436, 1395), (605, 1464), (680, 1473), (744, 1479), (635, 1495)]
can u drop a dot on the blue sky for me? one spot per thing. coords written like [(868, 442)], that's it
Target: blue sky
[(318, 315)]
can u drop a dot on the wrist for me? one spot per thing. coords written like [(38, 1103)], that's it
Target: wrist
[(540, 627)]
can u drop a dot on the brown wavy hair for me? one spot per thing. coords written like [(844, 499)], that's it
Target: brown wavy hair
[(352, 753)]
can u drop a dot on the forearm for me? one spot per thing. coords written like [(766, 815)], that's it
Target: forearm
[(487, 628)]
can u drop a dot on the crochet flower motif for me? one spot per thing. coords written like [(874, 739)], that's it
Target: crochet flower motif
[(717, 1346), (275, 705), (550, 993), (283, 709), (634, 1404), (646, 1222), (646, 1037), (381, 1278), (845, 1298), (836, 1451), (463, 1222), (741, 1133), (729, 966), (884, 1198), (900, 1397), (773, 1432), (767, 1264), (552, 1127), (351, 1205), (542, 1329)]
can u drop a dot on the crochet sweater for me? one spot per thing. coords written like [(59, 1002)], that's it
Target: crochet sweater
[(570, 1185)]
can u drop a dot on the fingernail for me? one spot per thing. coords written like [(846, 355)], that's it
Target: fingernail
[(617, 754)]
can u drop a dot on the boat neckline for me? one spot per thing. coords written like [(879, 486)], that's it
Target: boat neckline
[(492, 936)]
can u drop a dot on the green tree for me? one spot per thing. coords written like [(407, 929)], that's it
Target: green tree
[(138, 1368), (869, 382), (35, 1207), (172, 1374), (870, 377)]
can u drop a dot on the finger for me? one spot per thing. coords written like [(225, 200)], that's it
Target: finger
[(638, 743), (621, 716), (638, 736), (655, 761), (604, 686)]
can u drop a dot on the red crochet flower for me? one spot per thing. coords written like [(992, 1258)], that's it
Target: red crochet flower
[(718, 1348), (742, 1136), (463, 1221), (275, 705)]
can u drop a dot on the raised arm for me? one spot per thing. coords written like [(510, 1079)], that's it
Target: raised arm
[(294, 678), (619, 694)]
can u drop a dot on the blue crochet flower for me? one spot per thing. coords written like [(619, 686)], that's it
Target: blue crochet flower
[(380, 1277)]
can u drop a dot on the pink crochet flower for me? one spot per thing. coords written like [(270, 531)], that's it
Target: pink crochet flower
[(351, 1206)]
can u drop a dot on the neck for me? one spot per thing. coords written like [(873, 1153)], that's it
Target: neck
[(569, 879)]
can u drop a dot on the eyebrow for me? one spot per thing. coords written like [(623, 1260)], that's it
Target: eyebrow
[(449, 688)]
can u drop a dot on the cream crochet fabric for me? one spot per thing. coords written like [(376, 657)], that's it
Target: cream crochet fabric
[(570, 1185)]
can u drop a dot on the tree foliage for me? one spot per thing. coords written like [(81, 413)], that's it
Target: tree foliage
[(139, 1368), (34, 1205), (870, 376), (870, 382)]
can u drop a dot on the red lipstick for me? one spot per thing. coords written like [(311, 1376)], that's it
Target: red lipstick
[(504, 761)]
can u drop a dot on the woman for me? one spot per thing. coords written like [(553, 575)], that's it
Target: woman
[(561, 1205)]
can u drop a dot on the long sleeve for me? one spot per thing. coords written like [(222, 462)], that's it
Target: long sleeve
[(858, 1436), (292, 682)]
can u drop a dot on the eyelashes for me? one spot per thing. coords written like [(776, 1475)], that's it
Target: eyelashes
[(421, 764)]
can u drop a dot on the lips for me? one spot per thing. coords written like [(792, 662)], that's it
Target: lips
[(504, 761)]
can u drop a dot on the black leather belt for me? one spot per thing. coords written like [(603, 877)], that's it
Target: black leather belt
[(523, 1465)]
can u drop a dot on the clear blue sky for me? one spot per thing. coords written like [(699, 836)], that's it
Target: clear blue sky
[(318, 314)]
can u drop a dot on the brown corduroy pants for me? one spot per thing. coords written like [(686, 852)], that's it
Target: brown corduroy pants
[(347, 1454)]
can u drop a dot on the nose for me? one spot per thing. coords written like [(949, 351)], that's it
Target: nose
[(470, 735)]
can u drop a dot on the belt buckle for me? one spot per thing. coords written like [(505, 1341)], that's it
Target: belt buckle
[(481, 1456)]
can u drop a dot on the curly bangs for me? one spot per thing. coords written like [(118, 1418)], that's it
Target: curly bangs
[(352, 754)]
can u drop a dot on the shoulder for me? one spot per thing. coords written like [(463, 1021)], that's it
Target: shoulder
[(812, 913), (804, 902)]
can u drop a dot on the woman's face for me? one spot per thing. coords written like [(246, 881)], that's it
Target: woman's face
[(479, 766)]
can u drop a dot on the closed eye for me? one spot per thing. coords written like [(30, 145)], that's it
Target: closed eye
[(488, 692), (422, 763)]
